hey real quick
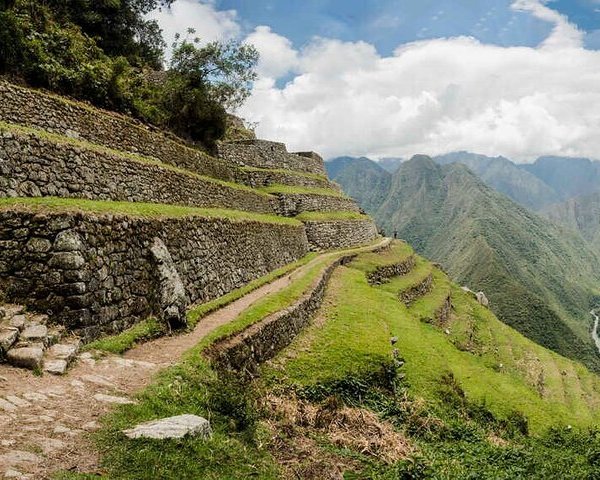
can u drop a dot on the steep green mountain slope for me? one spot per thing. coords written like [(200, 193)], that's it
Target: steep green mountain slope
[(567, 176), (363, 179), (581, 214), (506, 177), (540, 278), (472, 397)]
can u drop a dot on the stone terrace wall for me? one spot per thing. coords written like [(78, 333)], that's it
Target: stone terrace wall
[(292, 204), (34, 108), (272, 155), (94, 273), (325, 235), (260, 342), (265, 177), (384, 273), (35, 166), (416, 291)]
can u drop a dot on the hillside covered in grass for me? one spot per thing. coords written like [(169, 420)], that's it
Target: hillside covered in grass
[(375, 387), (469, 395), (541, 279)]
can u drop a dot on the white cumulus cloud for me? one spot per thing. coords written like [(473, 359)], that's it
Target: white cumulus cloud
[(439, 95), (431, 96)]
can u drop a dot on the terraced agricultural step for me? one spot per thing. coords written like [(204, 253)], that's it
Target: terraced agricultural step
[(297, 201), (383, 273), (412, 293), (435, 305), (265, 177), (52, 113), (39, 164), (270, 155)]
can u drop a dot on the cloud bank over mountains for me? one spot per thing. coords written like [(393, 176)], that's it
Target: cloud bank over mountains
[(430, 96)]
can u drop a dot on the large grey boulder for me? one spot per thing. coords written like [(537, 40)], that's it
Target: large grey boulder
[(172, 299), (482, 299), (172, 427)]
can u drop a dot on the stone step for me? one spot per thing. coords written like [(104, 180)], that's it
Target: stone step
[(27, 341), (59, 356)]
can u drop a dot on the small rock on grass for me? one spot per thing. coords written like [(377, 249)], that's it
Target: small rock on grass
[(172, 427)]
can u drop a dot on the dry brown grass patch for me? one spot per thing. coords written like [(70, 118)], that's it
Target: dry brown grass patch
[(355, 429)]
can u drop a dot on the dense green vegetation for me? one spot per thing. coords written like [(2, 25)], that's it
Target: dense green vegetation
[(473, 398), (512, 180), (110, 54), (580, 214), (139, 209), (540, 278), (361, 179)]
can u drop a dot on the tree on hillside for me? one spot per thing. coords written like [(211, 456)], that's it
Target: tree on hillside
[(107, 52), (203, 81)]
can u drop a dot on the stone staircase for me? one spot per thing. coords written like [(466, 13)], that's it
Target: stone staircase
[(28, 341)]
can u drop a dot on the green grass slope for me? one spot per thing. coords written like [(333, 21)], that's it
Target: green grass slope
[(477, 398), (541, 279)]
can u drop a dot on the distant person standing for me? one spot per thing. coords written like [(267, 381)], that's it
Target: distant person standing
[(395, 234)]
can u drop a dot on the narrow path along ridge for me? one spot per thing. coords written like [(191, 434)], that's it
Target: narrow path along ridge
[(43, 419)]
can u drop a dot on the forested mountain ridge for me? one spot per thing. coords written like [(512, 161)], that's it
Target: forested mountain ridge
[(541, 278)]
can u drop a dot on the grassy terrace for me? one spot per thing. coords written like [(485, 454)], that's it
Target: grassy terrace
[(286, 172), (60, 139), (238, 448), (368, 262), (325, 216), (491, 362), (289, 189), (135, 209)]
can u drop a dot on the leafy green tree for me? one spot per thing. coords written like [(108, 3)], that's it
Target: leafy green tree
[(202, 82), (108, 52)]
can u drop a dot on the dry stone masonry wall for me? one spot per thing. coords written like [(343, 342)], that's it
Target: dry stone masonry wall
[(33, 166), (292, 204), (416, 291), (55, 114), (94, 273), (384, 273), (244, 352), (325, 235), (260, 177), (270, 155)]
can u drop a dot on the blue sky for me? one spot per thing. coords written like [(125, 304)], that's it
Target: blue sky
[(388, 23), (392, 78)]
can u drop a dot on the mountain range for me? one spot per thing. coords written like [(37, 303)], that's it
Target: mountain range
[(541, 278)]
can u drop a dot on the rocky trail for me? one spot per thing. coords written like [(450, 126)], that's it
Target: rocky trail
[(44, 419)]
